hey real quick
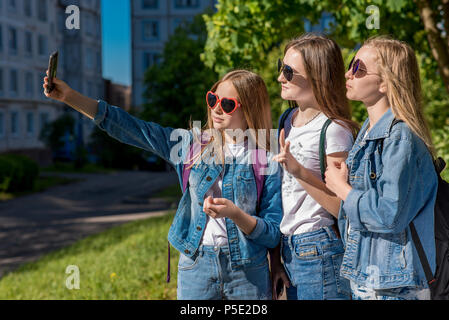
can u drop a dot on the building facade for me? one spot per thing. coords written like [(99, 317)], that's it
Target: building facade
[(30, 30), (152, 23)]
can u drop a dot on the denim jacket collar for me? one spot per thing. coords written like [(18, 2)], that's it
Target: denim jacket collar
[(382, 127)]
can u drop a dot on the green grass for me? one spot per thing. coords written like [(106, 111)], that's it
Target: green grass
[(40, 184), (124, 262)]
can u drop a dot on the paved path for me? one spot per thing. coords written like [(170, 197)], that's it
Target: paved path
[(33, 225)]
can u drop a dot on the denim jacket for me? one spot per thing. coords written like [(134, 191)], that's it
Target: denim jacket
[(392, 186), (238, 185)]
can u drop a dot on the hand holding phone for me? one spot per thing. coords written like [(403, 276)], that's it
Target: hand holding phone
[(52, 67)]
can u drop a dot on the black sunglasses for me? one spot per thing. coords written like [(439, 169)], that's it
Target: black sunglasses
[(286, 70)]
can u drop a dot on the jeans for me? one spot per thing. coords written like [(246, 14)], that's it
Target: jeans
[(208, 276), (312, 261), (401, 293)]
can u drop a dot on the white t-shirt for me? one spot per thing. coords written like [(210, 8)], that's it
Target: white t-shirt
[(215, 233), (301, 212)]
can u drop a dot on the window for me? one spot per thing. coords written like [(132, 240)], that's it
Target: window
[(42, 45), (99, 63), (187, 4), (27, 8), (150, 30), (1, 82), (42, 10), (15, 122), (89, 59), (12, 40), (150, 4), (2, 126), (30, 122), (90, 89), (13, 82), (150, 58), (43, 120), (29, 83), (12, 5), (1, 38), (28, 43)]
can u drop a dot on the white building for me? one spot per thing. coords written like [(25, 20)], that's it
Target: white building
[(152, 22), (30, 30)]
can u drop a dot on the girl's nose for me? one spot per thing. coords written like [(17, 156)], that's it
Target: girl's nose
[(281, 78), (349, 75), (217, 109)]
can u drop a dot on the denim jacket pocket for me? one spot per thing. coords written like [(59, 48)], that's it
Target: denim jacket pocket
[(246, 194)]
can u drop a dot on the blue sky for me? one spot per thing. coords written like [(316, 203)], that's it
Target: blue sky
[(116, 29)]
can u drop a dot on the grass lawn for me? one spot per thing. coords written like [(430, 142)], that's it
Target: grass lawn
[(124, 262)]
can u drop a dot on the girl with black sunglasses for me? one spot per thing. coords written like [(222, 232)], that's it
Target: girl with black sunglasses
[(312, 80)]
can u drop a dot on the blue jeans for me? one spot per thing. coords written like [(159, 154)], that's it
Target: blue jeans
[(208, 276), (312, 261)]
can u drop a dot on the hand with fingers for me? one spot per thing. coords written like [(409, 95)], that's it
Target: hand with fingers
[(279, 279), (286, 159), (336, 178), (220, 208), (60, 89)]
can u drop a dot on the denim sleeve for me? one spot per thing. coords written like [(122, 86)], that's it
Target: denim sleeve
[(162, 141), (267, 231), (392, 204)]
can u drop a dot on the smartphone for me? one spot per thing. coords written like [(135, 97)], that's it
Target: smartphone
[(52, 67)]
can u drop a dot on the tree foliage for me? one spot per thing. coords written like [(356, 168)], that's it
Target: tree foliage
[(176, 88)]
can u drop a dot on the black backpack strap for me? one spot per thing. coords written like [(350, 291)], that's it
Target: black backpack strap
[(282, 119), (322, 151), (415, 237), (422, 255)]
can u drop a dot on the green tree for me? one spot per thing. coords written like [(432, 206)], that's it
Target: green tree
[(176, 88), (252, 33), (53, 132)]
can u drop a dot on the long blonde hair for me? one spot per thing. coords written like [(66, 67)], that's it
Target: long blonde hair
[(255, 103), (398, 68), (325, 70)]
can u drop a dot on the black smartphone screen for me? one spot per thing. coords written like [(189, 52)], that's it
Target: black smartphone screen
[(52, 67)]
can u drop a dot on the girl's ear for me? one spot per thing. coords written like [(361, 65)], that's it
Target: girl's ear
[(383, 87)]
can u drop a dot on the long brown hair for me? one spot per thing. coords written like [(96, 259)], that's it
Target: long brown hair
[(398, 68), (255, 103), (325, 70)]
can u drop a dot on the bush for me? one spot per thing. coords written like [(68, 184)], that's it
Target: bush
[(17, 173)]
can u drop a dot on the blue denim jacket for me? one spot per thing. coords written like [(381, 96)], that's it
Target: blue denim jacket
[(238, 183), (392, 186)]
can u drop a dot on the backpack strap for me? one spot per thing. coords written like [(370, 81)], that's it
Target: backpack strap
[(422, 255), (283, 124), (259, 157), (415, 237), (323, 162)]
